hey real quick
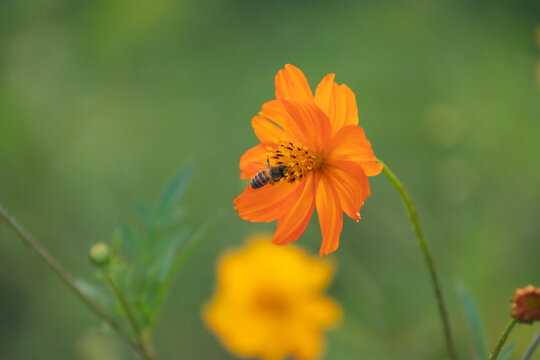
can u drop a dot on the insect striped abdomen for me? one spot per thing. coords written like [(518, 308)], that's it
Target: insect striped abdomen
[(260, 179)]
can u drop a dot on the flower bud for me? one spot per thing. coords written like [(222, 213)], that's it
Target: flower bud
[(526, 304), (100, 254)]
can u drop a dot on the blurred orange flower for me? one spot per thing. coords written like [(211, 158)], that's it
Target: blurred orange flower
[(269, 302), (324, 156), (526, 304)]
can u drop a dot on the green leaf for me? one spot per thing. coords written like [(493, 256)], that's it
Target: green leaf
[(506, 352), (175, 190), (144, 311), (153, 252), (93, 292), (164, 252), (166, 249), (474, 318), (182, 257), (170, 220), (130, 238), (195, 240), (145, 213)]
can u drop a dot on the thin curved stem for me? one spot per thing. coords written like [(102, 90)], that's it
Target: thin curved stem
[(29, 240), (145, 352), (502, 340), (427, 257), (55, 266), (123, 302), (532, 347)]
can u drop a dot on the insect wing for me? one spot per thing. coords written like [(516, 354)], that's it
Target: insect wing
[(252, 168)]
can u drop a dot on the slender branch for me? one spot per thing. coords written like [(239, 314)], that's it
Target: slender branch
[(532, 347), (502, 340), (29, 240), (427, 257), (55, 266), (144, 351)]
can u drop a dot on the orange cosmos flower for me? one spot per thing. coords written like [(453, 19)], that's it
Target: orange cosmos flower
[(269, 302), (321, 155)]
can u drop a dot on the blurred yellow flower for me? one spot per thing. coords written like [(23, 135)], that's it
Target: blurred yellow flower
[(269, 302)]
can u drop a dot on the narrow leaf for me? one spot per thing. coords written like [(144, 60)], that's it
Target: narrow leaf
[(170, 219), (192, 244), (164, 252), (130, 238), (169, 244), (184, 255), (175, 190), (506, 352), (145, 214), (474, 319), (93, 292), (532, 347)]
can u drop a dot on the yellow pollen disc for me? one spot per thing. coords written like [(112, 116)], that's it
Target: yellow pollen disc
[(298, 160)]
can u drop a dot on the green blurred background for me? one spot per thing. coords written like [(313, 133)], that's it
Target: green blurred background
[(101, 103)]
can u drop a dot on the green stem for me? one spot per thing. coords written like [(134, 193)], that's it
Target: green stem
[(143, 348), (29, 240), (427, 257), (532, 347), (502, 340), (54, 265)]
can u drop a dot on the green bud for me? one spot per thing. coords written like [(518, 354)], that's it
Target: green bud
[(100, 254)]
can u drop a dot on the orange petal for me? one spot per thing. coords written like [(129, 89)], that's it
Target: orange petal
[(350, 144), (267, 203), (274, 112), (330, 215), (251, 168), (324, 93), (292, 84), (338, 102), (293, 223), (306, 122), (250, 159), (351, 185), (266, 130)]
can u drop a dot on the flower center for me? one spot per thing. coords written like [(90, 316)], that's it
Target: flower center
[(298, 160), (271, 304), (533, 301)]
